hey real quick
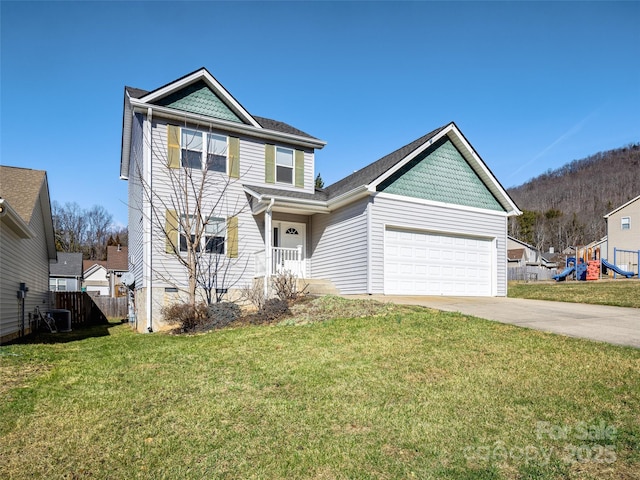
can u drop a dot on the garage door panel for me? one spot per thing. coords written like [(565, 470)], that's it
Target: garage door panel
[(423, 263)]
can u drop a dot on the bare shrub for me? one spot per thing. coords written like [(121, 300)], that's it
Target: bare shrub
[(254, 294), (185, 315), (285, 286)]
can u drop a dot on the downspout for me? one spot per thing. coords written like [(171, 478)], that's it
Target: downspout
[(149, 261), (369, 246), (267, 246)]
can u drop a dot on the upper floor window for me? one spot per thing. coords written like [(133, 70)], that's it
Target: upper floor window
[(625, 223), (212, 241), (284, 165), (194, 155)]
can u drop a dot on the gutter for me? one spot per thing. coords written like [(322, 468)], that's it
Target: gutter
[(321, 206), (14, 221), (249, 130)]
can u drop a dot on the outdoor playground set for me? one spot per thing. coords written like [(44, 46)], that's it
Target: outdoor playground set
[(587, 264)]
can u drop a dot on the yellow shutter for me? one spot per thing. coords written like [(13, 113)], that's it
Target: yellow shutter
[(171, 231), (173, 144), (232, 237), (234, 157), (270, 163), (299, 168)]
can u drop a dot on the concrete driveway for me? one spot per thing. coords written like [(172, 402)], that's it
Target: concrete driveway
[(617, 325)]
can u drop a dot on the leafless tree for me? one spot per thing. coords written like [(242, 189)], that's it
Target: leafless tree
[(82, 230), (193, 204), (579, 194)]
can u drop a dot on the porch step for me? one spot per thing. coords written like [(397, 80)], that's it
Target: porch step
[(317, 286)]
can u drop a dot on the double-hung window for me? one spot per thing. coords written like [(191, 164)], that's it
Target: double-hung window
[(191, 146), (625, 223), (194, 156), (284, 165), (57, 284), (217, 153), (212, 239)]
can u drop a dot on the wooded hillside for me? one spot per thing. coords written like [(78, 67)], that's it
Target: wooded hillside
[(566, 206)]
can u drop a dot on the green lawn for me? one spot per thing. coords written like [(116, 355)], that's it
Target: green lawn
[(413, 393), (621, 293)]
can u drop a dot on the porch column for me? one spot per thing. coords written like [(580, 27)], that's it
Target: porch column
[(267, 249)]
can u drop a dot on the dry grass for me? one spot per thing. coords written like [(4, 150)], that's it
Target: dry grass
[(620, 293), (400, 393)]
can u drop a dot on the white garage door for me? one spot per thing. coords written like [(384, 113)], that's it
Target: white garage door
[(421, 263)]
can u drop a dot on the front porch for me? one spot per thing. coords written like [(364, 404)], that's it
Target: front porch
[(280, 260)]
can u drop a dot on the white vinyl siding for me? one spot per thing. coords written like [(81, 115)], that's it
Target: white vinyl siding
[(339, 247), (167, 271), (23, 260), (392, 212), (135, 202)]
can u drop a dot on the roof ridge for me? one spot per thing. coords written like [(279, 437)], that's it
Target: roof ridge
[(370, 172)]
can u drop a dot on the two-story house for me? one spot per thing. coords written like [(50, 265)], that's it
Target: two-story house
[(428, 219), (623, 235)]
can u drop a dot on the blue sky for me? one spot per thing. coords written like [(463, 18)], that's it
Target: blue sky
[(531, 85)]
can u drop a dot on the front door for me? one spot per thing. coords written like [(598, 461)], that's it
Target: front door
[(291, 238)]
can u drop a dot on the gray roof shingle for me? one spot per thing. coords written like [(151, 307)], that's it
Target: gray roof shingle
[(69, 265), (21, 187), (268, 123), (362, 177), (319, 195), (368, 174)]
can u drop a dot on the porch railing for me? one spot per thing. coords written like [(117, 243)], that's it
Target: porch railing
[(282, 259)]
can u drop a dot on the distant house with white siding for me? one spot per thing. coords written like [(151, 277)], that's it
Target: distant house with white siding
[(428, 219), (27, 244), (95, 280)]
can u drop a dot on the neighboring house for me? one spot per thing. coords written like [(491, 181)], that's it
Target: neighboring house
[(27, 244), (95, 277), (521, 254), (428, 219), (623, 233), (117, 265), (65, 275)]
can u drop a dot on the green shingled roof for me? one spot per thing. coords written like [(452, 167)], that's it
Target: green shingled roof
[(198, 98), (441, 174)]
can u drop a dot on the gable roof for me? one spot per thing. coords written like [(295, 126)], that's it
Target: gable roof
[(198, 97), (117, 258), (87, 264), (515, 254), (21, 187), (368, 174), (366, 180), (21, 190), (622, 206), (68, 265), (266, 123)]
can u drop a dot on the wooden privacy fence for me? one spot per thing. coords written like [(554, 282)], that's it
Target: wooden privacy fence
[(112, 307), (84, 310), (530, 273)]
